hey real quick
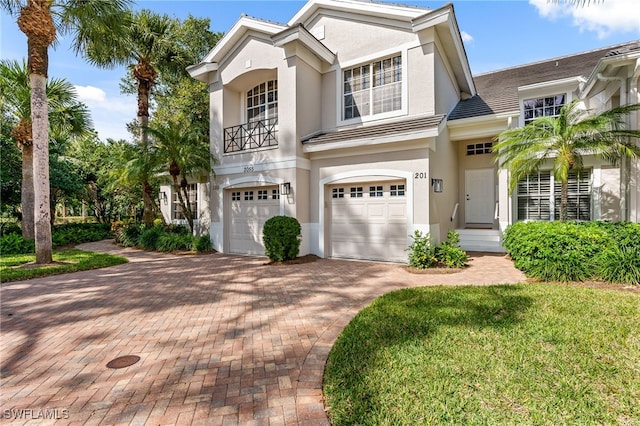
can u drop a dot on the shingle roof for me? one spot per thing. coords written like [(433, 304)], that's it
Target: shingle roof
[(406, 126), (498, 90)]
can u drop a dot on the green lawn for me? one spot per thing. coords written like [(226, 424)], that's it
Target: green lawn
[(75, 260), (525, 354)]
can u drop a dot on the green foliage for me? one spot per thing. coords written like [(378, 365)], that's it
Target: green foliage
[(620, 265), (9, 227), (71, 261), (496, 355), (281, 237), (573, 251), (202, 243), (61, 235), (15, 244), (149, 237), (174, 242), (421, 253), (449, 253)]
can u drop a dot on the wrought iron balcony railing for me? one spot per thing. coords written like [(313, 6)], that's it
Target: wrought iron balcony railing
[(255, 134)]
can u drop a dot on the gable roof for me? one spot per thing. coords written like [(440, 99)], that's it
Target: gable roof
[(498, 90)]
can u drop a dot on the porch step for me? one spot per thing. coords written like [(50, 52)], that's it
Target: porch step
[(481, 240)]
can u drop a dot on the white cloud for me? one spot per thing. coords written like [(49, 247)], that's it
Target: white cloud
[(466, 37), (90, 94), (602, 17), (110, 113)]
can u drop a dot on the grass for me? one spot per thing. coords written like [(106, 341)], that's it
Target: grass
[(526, 354), (74, 260)]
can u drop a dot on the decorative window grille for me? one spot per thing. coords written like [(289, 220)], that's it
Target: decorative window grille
[(176, 213), (543, 107), (375, 191), (479, 148), (373, 88), (355, 192), (396, 191)]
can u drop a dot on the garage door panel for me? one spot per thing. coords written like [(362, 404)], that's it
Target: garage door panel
[(248, 216), (372, 226)]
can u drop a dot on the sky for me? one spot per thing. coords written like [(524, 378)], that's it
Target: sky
[(497, 34)]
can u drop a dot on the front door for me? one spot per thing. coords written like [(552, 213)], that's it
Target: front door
[(479, 196)]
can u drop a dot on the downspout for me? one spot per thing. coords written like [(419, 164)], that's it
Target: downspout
[(625, 163)]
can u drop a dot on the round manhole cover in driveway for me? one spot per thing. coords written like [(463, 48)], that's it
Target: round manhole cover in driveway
[(123, 361)]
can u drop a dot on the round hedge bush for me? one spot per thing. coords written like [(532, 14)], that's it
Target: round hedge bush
[(281, 238)]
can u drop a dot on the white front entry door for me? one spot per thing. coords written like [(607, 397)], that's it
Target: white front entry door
[(479, 196)]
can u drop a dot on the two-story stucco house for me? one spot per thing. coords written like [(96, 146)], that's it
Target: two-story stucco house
[(363, 121)]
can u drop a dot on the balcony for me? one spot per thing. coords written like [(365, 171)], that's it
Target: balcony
[(252, 135)]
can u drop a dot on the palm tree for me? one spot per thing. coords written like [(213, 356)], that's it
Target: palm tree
[(147, 46), (89, 22), (184, 153), (66, 115), (564, 140)]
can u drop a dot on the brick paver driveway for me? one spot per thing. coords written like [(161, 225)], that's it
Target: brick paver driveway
[(221, 339)]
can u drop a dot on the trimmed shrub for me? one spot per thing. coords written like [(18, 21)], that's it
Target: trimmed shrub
[(173, 242), (620, 265), (281, 238), (573, 251), (449, 253), (149, 237), (15, 244), (421, 253), (76, 233), (202, 243)]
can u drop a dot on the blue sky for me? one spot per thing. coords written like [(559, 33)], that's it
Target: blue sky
[(497, 34)]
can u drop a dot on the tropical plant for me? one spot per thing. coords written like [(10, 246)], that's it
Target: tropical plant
[(564, 140), (94, 22), (67, 117), (184, 153), (147, 46)]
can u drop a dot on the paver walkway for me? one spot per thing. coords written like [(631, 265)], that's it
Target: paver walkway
[(221, 339)]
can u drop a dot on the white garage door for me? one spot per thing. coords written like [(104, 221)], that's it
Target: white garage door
[(369, 221), (250, 209)]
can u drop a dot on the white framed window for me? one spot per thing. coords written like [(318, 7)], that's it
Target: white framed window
[(355, 192), (235, 196), (538, 197), (275, 194), (479, 148), (176, 208), (248, 195), (263, 194), (337, 193), (543, 107), (372, 88), (262, 101), (396, 190), (376, 191)]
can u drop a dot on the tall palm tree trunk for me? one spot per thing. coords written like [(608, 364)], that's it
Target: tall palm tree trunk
[(145, 75), (26, 194), (36, 23), (564, 200)]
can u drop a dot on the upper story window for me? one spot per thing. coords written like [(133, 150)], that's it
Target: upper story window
[(373, 88), (262, 101), (543, 107)]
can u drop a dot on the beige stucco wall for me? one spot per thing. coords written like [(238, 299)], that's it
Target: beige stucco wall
[(421, 78)]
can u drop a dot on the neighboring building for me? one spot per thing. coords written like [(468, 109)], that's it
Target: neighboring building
[(363, 121)]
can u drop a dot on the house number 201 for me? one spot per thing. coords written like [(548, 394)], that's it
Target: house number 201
[(248, 169), (421, 175)]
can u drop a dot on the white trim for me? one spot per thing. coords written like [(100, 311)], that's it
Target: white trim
[(389, 11), (368, 60), (301, 34), (293, 163), (374, 140), (550, 85), (390, 173)]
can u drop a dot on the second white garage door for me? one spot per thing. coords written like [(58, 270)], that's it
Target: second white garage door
[(369, 221), (250, 209)]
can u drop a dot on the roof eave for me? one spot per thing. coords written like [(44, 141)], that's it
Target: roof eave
[(301, 34)]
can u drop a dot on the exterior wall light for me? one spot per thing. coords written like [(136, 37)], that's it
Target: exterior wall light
[(286, 188), (438, 185)]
